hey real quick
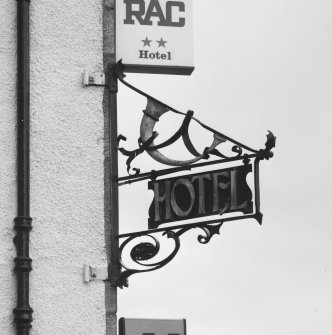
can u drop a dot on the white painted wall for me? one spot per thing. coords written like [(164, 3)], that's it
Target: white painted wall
[(67, 188), (7, 163)]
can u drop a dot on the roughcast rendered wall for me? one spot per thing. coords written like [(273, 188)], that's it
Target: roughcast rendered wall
[(67, 188), (7, 163)]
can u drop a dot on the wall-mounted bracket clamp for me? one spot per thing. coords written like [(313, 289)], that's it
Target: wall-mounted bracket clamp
[(94, 273), (94, 78)]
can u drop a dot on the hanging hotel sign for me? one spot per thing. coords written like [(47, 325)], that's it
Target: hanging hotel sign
[(202, 199), (199, 195), (155, 36)]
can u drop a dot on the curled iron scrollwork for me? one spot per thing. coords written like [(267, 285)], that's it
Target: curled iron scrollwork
[(143, 253), (154, 110), (209, 231)]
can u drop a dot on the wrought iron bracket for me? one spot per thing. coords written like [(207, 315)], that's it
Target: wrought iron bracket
[(262, 154), (143, 252), (144, 247), (152, 113)]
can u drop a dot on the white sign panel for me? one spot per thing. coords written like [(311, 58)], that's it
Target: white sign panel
[(155, 36), (152, 327)]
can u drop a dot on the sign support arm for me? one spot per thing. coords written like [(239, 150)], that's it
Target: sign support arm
[(111, 197)]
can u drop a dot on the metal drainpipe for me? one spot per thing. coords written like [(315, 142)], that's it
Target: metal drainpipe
[(23, 311)]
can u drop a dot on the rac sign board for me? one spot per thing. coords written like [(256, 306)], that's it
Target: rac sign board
[(155, 36)]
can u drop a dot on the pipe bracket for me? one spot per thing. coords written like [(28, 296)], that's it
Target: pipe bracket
[(23, 223), (94, 273), (94, 78), (23, 317)]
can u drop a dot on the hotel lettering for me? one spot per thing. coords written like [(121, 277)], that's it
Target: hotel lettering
[(199, 195)]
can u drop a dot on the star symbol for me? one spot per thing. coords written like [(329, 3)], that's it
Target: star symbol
[(161, 43), (146, 42)]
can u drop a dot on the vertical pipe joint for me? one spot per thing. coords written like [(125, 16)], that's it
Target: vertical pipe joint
[(23, 317), (23, 227), (23, 223), (23, 312)]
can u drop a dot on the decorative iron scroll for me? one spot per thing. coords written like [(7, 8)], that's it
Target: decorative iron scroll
[(144, 248), (146, 143), (144, 253)]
